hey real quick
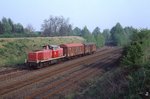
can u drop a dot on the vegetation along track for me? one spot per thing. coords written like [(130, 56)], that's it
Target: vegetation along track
[(14, 85)]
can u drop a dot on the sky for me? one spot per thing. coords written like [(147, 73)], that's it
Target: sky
[(90, 13)]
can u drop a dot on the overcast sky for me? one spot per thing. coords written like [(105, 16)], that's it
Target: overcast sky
[(92, 13)]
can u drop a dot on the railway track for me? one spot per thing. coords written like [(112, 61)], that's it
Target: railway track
[(68, 81), (13, 74), (12, 87), (7, 71)]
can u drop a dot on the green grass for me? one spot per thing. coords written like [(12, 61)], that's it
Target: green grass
[(14, 51), (14, 35)]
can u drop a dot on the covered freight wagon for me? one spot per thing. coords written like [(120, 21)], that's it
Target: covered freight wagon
[(74, 49), (89, 48)]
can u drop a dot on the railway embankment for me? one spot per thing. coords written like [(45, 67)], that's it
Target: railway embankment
[(14, 51)]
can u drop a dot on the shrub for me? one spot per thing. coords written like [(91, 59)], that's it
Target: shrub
[(137, 53), (133, 55)]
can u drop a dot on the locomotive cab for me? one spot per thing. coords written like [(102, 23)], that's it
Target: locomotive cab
[(56, 51)]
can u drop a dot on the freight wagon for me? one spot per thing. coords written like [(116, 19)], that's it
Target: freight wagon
[(70, 50), (89, 48)]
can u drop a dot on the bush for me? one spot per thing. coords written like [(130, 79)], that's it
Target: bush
[(133, 55), (137, 53), (137, 56)]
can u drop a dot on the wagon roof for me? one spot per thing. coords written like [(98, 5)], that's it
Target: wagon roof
[(89, 43), (72, 44)]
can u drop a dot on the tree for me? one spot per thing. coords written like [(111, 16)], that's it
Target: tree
[(6, 25), (106, 34), (1, 28), (96, 31), (65, 30), (85, 32), (129, 32), (100, 40), (18, 28), (29, 28), (137, 52), (77, 31), (118, 35), (87, 35), (56, 26), (11, 24)]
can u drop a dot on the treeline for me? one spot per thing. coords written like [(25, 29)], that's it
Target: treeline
[(7, 26), (60, 26), (10, 29), (117, 36)]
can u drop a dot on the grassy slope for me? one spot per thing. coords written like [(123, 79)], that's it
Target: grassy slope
[(111, 85), (14, 50)]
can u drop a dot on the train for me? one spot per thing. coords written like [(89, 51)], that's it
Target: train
[(54, 53)]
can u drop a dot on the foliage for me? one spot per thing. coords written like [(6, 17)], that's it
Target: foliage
[(118, 35), (56, 26), (129, 31), (1, 28), (7, 26), (137, 58), (106, 34), (29, 29), (100, 40), (96, 31), (133, 55), (18, 28), (137, 53), (77, 31), (87, 35), (96, 36)]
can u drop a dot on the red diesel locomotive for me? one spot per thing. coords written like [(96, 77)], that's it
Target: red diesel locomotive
[(54, 53)]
